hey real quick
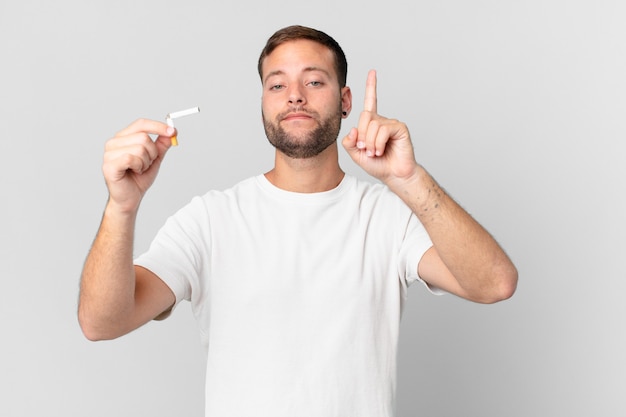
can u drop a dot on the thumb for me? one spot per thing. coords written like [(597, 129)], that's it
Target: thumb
[(165, 142), (163, 145), (349, 141)]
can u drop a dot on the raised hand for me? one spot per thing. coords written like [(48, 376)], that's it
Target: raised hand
[(381, 146), (132, 160)]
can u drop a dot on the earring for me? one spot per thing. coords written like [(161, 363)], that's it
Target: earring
[(344, 113)]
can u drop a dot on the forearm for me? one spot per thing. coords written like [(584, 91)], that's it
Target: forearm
[(479, 265), (107, 288)]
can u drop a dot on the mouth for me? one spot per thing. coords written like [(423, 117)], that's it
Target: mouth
[(295, 116)]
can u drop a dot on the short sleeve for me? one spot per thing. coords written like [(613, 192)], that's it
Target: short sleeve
[(177, 255), (414, 245)]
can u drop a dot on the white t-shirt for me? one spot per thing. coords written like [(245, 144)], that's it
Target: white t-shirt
[(298, 296)]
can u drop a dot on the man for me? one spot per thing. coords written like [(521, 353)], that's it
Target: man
[(297, 276)]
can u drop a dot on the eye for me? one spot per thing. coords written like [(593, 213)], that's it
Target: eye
[(315, 83), (276, 87)]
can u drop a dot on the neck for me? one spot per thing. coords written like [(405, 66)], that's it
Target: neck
[(310, 175)]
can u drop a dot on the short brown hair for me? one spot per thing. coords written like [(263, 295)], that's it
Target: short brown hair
[(292, 33)]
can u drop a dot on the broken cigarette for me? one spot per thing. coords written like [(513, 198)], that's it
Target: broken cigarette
[(169, 119)]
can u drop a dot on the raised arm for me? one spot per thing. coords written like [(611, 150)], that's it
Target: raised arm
[(115, 296), (465, 259)]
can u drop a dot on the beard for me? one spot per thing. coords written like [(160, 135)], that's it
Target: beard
[(307, 144)]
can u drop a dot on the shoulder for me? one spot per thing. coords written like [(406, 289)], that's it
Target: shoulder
[(239, 190)]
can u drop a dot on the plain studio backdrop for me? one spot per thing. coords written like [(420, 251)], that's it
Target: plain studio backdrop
[(516, 107)]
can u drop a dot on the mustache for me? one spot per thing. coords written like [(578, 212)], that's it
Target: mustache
[(297, 109)]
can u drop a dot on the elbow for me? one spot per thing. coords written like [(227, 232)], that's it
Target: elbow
[(504, 285), (91, 335), (508, 281), (95, 334), (91, 329), (90, 332)]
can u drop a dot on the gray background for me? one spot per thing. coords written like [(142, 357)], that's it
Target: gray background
[(517, 108)]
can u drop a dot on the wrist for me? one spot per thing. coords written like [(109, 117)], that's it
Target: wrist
[(121, 211), (410, 182), (419, 190)]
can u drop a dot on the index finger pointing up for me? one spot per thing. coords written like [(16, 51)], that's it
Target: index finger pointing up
[(370, 92)]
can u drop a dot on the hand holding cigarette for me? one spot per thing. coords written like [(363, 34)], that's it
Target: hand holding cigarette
[(132, 158), (169, 119)]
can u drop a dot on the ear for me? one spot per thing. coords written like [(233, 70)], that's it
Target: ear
[(346, 101)]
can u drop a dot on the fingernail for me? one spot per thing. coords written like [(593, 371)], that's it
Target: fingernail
[(170, 130), (369, 153), (360, 145)]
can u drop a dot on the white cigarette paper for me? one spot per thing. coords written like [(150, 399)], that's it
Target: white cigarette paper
[(182, 113), (169, 119)]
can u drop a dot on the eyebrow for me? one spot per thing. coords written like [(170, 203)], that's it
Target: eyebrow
[(307, 69)]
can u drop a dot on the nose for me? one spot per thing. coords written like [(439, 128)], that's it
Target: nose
[(296, 95)]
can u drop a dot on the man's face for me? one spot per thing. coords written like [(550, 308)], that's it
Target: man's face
[(302, 100)]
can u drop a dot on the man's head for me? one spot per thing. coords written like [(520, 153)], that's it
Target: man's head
[(303, 99), (293, 33)]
